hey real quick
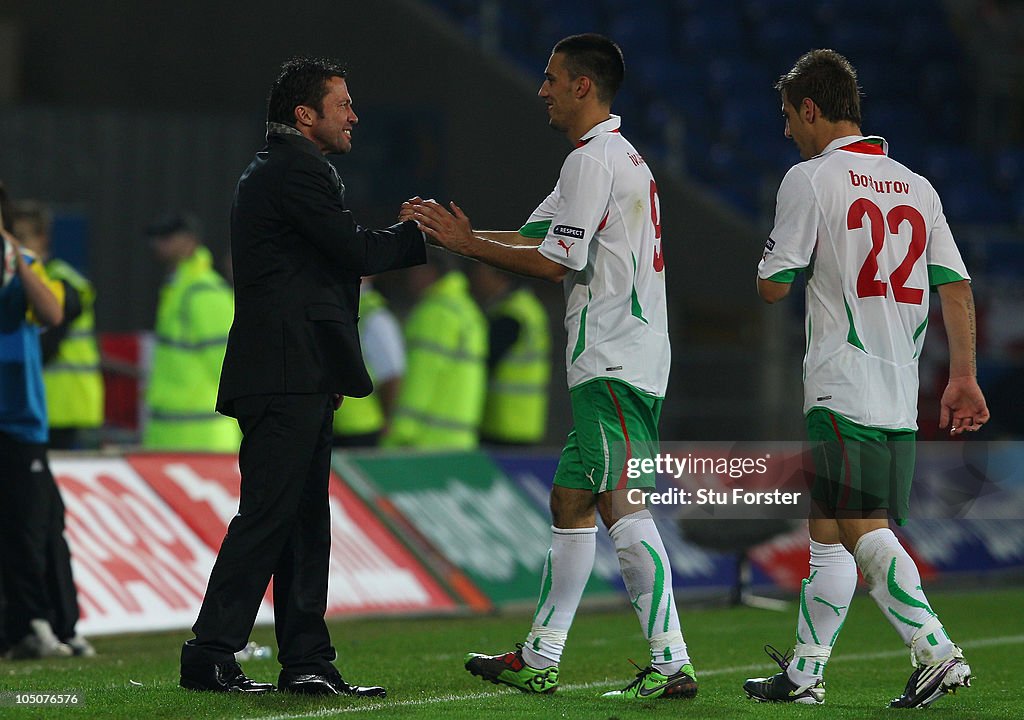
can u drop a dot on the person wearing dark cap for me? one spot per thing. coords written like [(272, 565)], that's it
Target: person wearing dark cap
[(298, 256), (192, 322)]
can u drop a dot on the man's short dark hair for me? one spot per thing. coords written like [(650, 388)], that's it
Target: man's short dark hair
[(829, 80), (598, 58), (302, 81)]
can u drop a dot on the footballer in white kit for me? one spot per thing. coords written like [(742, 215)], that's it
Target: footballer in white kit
[(599, 233), (602, 222), (873, 240)]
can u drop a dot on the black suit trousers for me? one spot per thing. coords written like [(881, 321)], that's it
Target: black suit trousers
[(282, 530)]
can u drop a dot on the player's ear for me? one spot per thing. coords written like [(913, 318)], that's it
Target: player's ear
[(583, 86), (809, 110)]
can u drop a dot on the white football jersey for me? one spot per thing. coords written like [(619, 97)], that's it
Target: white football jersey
[(603, 222), (873, 239)]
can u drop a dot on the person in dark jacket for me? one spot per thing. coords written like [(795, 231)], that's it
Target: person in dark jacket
[(293, 353)]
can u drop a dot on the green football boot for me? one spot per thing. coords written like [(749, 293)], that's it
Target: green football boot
[(510, 669), (650, 684)]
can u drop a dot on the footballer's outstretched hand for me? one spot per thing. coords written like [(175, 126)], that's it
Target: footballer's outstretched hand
[(452, 230), (964, 404), (408, 208)]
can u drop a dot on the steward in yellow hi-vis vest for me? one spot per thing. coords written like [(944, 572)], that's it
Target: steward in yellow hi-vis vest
[(442, 396), (516, 410), (194, 315), (73, 379)]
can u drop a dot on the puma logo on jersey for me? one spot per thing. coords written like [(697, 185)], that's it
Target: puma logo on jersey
[(561, 244), (823, 398)]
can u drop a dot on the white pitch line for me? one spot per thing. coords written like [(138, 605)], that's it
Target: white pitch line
[(373, 706)]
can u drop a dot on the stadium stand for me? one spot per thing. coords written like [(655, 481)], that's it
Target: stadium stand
[(706, 68)]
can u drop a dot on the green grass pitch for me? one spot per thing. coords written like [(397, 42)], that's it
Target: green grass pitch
[(420, 662)]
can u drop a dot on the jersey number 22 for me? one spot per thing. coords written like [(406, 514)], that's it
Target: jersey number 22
[(867, 283)]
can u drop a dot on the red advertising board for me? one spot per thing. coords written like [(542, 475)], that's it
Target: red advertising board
[(371, 572), (137, 565)]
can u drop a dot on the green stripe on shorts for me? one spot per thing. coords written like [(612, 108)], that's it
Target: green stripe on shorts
[(612, 423)]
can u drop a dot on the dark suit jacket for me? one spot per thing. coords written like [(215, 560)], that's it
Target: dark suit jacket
[(297, 256)]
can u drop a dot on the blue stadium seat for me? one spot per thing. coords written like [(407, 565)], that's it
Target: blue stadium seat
[(901, 123), (965, 202), (730, 77), (702, 37), (780, 41), (927, 34), (641, 28), (757, 116), (862, 39), (1008, 169), (945, 164), (558, 18), (866, 14), (660, 75), (713, 63)]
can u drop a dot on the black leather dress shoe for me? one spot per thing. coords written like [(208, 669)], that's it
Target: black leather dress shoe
[(221, 677), (330, 683)]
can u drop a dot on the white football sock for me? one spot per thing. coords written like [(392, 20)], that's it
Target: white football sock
[(648, 578), (896, 587), (566, 571), (824, 601)]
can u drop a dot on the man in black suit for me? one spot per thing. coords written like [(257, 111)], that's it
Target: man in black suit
[(292, 354)]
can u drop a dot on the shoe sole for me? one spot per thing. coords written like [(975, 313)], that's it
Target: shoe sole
[(687, 694), (812, 700), (798, 701), (682, 691), (199, 687)]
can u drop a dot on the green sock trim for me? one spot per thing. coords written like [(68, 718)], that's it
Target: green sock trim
[(836, 633), (546, 587), (659, 587), (902, 619), (902, 595), (803, 608)]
